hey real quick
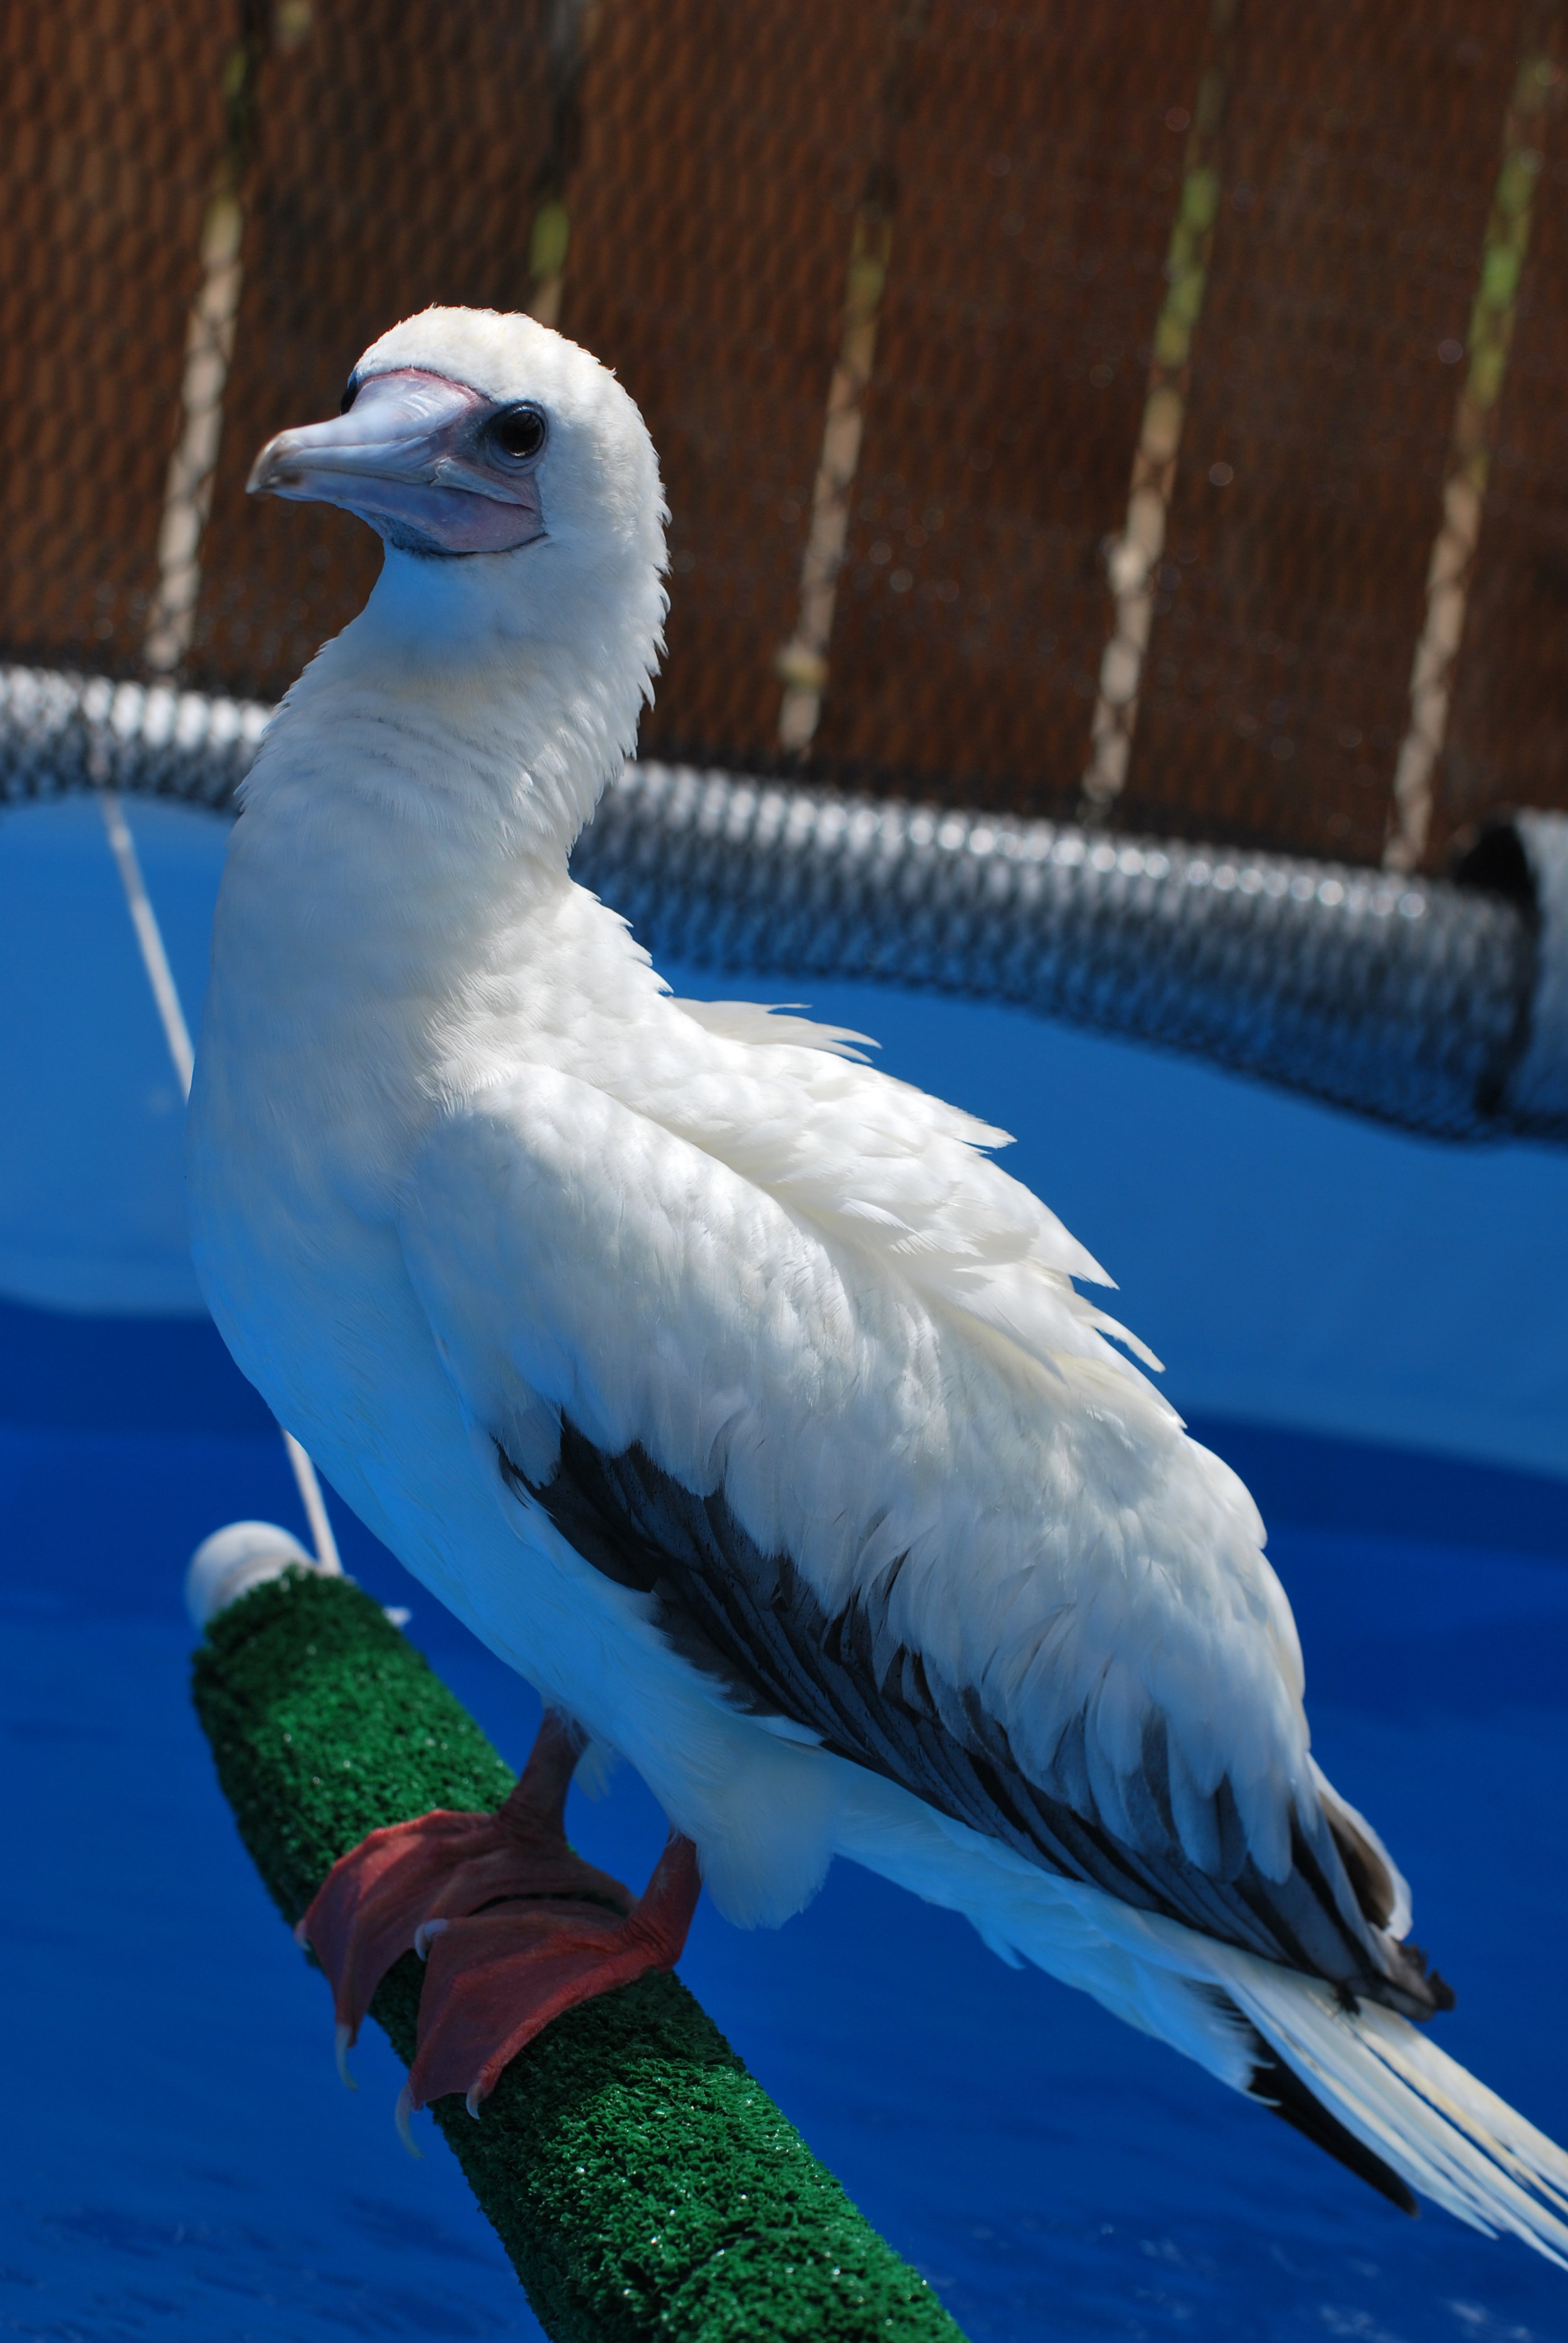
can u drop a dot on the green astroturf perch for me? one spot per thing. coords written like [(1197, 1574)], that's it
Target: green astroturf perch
[(641, 2182)]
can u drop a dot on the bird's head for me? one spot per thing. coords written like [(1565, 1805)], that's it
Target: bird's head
[(503, 460)]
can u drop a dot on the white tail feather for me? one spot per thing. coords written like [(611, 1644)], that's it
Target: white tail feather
[(1446, 2133)]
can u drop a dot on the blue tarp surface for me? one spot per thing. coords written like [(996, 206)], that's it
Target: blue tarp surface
[(1289, 1265), (182, 2161)]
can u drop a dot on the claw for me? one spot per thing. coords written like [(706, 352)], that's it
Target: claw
[(407, 1875), (400, 2117), (497, 1979), (515, 1929)]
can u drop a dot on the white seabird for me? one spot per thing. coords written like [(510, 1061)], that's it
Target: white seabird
[(725, 1387)]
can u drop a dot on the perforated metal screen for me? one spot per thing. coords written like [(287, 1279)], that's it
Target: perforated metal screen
[(1152, 410)]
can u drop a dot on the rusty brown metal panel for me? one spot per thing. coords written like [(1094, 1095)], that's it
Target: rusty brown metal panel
[(1360, 145), (111, 123), (1036, 179), (1508, 731), (724, 150), (396, 152), (403, 149)]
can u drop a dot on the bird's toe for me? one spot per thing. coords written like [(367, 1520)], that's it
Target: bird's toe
[(495, 1979), (402, 1886)]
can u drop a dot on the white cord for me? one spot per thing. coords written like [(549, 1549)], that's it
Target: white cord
[(314, 1504), (177, 1033), (155, 960)]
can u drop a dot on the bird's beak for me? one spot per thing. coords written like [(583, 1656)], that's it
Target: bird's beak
[(406, 458)]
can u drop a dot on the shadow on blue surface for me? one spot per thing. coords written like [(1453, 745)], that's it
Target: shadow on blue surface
[(192, 2168)]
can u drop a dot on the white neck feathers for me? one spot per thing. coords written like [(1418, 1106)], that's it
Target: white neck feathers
[(467, 702)]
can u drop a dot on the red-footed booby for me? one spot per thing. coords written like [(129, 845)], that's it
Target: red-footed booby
[(727, 1388)]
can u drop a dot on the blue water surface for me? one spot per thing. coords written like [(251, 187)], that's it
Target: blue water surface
[(183, 2162)]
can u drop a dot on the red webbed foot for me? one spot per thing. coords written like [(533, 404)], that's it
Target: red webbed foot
[(516, 1926), (497, 1979)]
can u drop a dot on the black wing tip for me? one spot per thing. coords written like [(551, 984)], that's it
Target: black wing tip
[(1434, 1986), (1281, 2089)]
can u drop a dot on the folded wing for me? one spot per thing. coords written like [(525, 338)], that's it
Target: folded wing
[(1007, 1581)]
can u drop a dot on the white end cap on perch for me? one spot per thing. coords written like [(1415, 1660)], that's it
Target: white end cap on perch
[(233, 1560)]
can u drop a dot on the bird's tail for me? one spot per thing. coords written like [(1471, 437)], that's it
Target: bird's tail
[(1412, 2107)]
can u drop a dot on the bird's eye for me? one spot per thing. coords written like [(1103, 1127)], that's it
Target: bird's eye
[(520, 432), (350, 393)]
